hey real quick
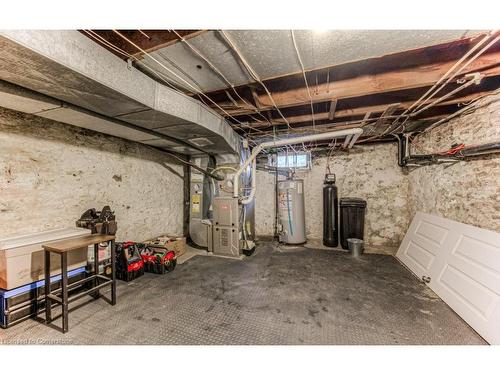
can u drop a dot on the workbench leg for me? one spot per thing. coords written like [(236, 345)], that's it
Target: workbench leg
[(48, 304), (64, 291), (113, 273), (96, 294)]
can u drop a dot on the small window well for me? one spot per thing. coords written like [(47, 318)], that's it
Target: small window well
[(295, 160)]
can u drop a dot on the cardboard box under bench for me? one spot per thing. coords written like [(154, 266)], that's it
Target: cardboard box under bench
[(177, 244), (26, 301), (22, 257)]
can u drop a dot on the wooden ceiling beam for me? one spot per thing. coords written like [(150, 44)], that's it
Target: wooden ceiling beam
[(360, 111), (186, 34), (333, 107), (418, 77), (329, 127), (148, 40), (255, 98), (388, 112), (447, 51)]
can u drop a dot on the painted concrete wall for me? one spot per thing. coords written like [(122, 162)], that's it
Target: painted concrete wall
[(51, 172), (369, 172), (468, 192)]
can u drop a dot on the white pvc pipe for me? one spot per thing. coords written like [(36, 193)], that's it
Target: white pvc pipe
[(280, 143), (249, 198)]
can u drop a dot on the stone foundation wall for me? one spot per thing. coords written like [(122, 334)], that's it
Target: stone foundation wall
[(468, 191), (369, 172), (51, 172)]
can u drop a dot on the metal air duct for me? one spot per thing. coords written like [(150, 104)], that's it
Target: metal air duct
[(67, 66)]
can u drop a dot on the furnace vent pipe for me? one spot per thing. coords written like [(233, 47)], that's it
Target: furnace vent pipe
[(356, 132)]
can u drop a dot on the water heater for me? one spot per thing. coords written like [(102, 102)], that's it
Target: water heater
[(291, 211)]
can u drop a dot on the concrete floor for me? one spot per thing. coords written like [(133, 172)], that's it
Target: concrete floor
[(277, 296)]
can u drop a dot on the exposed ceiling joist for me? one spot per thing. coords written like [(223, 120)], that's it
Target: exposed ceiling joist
[(388, 112), (337, 53), (359, 111), (148, 40), (343, 90), (423, 76), (333, 106), (255, 98), (365, 119), (305, 129)]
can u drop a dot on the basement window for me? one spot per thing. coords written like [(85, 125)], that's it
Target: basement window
[(296, 160)]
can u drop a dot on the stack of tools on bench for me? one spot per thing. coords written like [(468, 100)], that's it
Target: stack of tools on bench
[(99, 222), (129, 264), (157, 260)]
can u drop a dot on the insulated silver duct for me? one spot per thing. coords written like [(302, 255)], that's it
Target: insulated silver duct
[(69, 67)]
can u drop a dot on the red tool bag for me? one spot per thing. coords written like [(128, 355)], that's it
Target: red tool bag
[(157, 260), (129, 264)]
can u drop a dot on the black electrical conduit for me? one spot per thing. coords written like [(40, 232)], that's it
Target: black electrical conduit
[(405, 158), (487, 148)]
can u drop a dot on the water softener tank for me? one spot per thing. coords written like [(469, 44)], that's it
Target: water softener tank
[(330, 212), (291, 211)]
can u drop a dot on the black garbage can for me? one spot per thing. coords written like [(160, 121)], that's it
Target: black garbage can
[(352, 219)]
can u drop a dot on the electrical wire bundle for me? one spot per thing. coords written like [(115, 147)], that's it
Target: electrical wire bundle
[(172, 79), (455, 148)]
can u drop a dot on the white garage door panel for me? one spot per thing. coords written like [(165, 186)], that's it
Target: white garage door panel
[(463, 264)]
